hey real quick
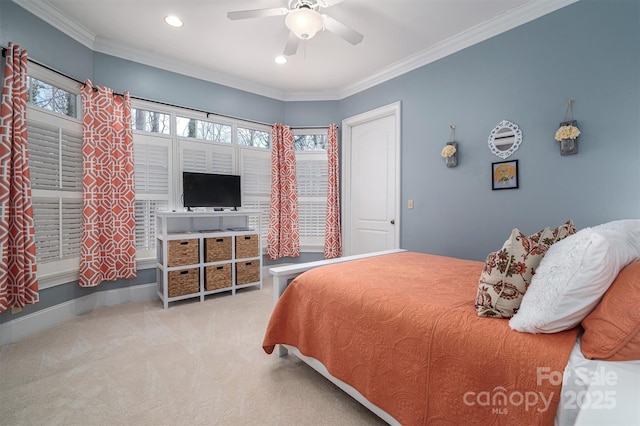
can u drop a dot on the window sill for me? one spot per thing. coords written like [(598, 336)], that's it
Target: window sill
[(57, 278)]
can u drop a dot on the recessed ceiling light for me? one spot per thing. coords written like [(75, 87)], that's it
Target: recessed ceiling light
[(280, 60), (174, 21)]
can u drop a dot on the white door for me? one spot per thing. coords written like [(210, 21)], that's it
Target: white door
[(371, 181)]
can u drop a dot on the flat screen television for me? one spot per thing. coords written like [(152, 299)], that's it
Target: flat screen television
[(210, 190)]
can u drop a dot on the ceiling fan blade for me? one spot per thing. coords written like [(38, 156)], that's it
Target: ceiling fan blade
[(340, 29), (328, 3), (291, 47), (257, 13)]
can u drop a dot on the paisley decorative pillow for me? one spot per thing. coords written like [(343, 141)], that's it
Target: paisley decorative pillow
[(507, 273)]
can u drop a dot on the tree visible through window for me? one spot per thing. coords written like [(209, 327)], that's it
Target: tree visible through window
[(50, 97), (204, 130), (314, 142), (151, 121), (252, 137)]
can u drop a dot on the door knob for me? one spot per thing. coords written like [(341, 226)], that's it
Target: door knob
[(393, 221)]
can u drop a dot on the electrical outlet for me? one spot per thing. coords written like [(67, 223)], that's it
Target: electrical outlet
[(410, 204)]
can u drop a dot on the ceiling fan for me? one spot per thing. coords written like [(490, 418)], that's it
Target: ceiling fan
[(304, 20)]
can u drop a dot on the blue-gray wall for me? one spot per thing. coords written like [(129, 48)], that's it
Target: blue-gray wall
[(587, 51), (44, 43)]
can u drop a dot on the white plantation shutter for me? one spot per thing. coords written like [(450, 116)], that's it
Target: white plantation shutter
[(151, 163), (71, 228), (312, 176), (264, 207), (194, 160), (255, 168), (55, 162), (46, 214), (71, 167), (153, 177), (58, 230), (256, 173), (312, 218), (207, 158), (55, 157), (146, 223), (222, 162), (44, 155)]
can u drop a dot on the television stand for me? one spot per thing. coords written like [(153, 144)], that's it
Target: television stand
[(205, 253)]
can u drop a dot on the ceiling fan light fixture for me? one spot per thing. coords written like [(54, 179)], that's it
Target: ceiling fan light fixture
[(304, 22)]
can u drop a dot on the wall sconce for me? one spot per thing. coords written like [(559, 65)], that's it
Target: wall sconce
[(568, 133), (450, 150)]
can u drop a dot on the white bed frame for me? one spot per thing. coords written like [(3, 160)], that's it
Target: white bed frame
[(282, 276)]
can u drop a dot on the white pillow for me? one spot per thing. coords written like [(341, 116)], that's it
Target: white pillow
[(574, 275)]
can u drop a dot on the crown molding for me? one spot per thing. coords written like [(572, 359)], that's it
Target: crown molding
[(109, 47), (55, 18), (514, 18), (529, 11), (324, 95)]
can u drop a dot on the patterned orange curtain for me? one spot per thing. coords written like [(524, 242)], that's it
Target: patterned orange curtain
[(108, 249), (283, 238), (18, 283), (332, 232)]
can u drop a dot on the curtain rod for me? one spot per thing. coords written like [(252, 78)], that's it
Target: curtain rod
[(4, 50)]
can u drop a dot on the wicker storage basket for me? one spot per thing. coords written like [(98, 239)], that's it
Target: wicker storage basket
[(247, 272), (217, 249), (183, 252), (246, 246), (217, 276), (186, 281)]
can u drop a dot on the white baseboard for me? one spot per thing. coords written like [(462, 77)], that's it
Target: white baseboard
[(20, 328)]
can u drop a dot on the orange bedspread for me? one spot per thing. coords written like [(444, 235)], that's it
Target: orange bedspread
[(402, 330)]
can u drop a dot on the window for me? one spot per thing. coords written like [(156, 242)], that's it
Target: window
[(151, 121), (50, 97), (152, 164), (255, 168), (196, 145), (55, 161), (167, 140), (253, 137), (312, 176), (249, 155), (312, 142), (205, 130)]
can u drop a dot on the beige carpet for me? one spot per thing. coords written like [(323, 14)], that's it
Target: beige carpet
[(193, 364)]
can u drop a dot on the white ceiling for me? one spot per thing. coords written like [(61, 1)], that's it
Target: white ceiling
[(399, 35)]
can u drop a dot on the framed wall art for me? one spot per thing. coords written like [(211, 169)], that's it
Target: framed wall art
[(504, 175)]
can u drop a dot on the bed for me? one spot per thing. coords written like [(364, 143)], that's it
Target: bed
[(399, 332)]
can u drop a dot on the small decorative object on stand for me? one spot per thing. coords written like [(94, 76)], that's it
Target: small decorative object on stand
[(450, 150), (568, 133)]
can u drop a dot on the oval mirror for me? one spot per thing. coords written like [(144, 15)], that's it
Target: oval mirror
[(505, 138)]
